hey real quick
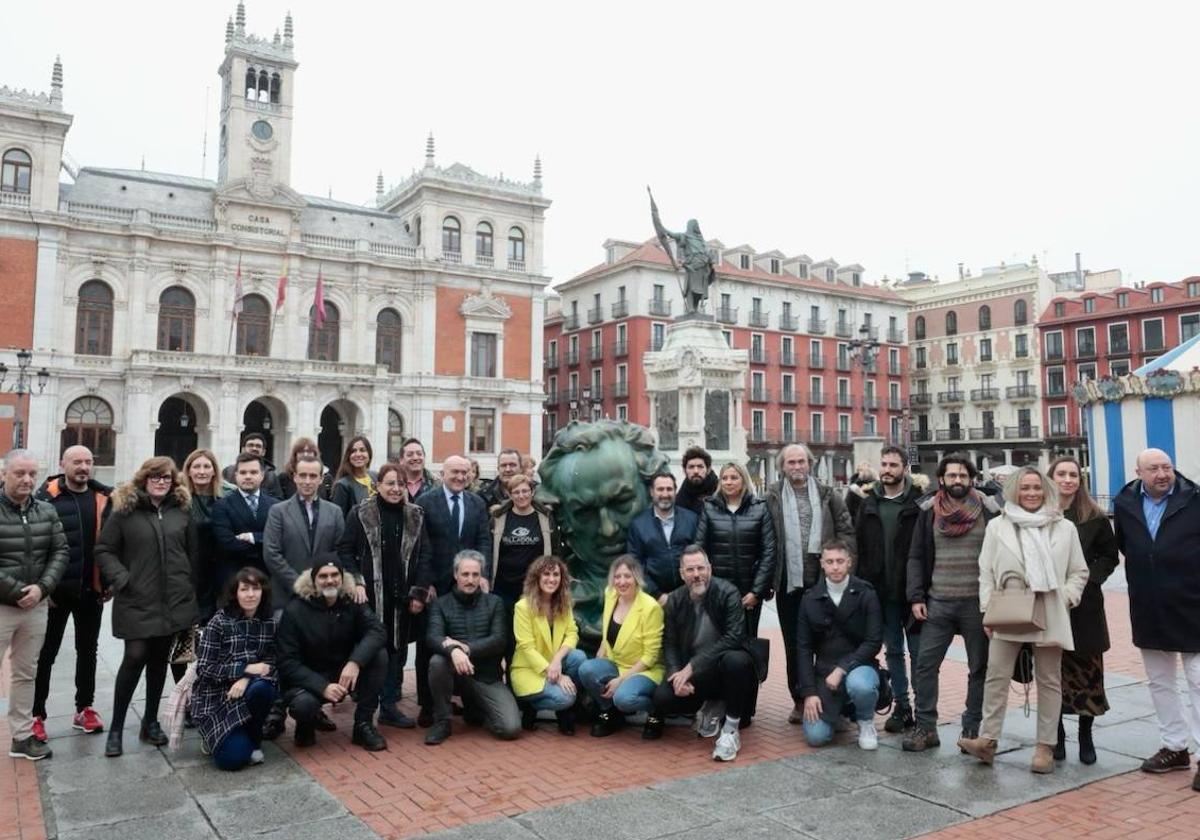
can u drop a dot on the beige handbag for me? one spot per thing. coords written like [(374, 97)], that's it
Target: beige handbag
[(1013, 610)]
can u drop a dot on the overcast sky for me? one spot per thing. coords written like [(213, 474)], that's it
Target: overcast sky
[(903, 136)]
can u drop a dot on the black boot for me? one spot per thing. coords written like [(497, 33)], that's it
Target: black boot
[(1060, 747), (152, 733), (1087, 749), (367, 736), (113, 748), (607, 723), (529, 718), (566, 721)]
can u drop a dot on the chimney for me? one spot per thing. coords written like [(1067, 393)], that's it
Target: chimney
[(1078, 271)]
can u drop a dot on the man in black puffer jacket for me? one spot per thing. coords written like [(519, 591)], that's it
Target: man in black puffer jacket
[(33, 556), (467, 636), (331, 648)]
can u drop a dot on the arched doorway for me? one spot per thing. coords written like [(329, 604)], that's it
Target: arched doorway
[(258, 418), (331, 437), (176, 435)]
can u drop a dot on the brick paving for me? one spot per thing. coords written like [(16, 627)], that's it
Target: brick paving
[(20, 797)]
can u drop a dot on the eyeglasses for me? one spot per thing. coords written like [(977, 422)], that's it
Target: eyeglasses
[(160, 478)]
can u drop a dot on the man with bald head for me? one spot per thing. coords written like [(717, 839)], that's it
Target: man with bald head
[(455, 520), (1157, 518), (82, 506)]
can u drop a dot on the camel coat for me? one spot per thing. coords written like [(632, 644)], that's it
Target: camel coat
[(1001, 553)]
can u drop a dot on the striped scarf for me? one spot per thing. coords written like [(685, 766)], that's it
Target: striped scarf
[(953, 518)]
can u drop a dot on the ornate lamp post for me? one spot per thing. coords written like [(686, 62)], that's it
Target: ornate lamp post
[(22, 387)]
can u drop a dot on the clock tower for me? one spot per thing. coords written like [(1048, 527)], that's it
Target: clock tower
[(255, 140)]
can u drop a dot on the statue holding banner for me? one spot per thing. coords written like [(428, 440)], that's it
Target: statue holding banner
[(693, 251)]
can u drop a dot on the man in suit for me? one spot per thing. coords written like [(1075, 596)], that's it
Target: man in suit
[(658, 535), (239, 519), (455, 520), (256, 444)]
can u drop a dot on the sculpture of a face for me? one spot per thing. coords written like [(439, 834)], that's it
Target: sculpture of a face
[(606, 492)]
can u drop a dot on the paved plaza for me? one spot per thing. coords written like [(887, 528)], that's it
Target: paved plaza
[(545, 786)]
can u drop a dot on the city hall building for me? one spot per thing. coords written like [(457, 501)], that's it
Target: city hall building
[(123, 283)]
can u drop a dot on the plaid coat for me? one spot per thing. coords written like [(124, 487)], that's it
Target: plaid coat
[(227, 645)]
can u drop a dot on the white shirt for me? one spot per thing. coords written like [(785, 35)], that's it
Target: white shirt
[(837, 590)]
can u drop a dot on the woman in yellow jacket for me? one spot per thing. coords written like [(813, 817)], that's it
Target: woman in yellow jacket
[(628, 666), (545, 666)]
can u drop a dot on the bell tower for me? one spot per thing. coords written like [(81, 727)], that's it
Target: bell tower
[(255, 140)]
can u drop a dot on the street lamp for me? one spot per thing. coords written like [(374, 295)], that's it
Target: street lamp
[(22, 387)]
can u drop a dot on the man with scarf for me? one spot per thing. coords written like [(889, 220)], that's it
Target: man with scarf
[(699, 481), (806, 514), (943, 589)]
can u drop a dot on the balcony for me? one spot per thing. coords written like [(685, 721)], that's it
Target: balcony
[(620, 390), (845, 437), (760, 395), (756, 434), (656, 344), (871, 403), (895, 369), (843, 329), (596, 353), (920, 436), (452, 256), (1152, 345), (1085, 351), (816, 398), (895, 336), (1056, 389), (868, 332), (620, 309), (842, 363), (1058, 433), (570, 395), (759, 356), (787, 435), (573, 357), (952, 361), (570, 322), (920, 400), (552, 360), (787, 358), (485, 260), (816, 360), (621, 348), (789, 396), (919, 363), (951, 397), (845, 400), (1118, 348), (789, 323), (1020, 432), (984, 433), (595, 316), (895, 404), (1054, 354), (727, 314), (759, 319), (660, 307), (516, 265), (985, 395), (817, 436), (816, 326), (1021, 392), (985, 361), (552, 399), (948, 434)]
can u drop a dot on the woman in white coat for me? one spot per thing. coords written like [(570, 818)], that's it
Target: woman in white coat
[(1034, 541)]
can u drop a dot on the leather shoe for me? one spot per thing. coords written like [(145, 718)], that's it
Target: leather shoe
[(272, 728), (324, 723), (437, 733), (305, 735), (395, 718), (566, 722), (113, 747), (653, 730), (982, 748), (367, 736), (151, 733), (424, 718)]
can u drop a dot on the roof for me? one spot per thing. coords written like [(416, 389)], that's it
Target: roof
[(1181, 360)]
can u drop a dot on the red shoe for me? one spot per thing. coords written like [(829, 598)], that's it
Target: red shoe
[(39, 729), (88, 721)]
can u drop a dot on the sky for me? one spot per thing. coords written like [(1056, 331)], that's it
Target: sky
[(902, 136)]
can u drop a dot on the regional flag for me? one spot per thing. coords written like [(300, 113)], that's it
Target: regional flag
[(319, 301), (238, 292), (281, 292)]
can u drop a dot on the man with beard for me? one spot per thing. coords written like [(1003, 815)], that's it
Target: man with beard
[(711, 665), (806, 515), (508, 464), (943, 589), (256, 444), (658, 535), (887, 514), (699, 482)]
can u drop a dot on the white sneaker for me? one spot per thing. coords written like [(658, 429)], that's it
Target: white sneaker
[(727, 746), (708, 719), (257, 757), (868, 739)]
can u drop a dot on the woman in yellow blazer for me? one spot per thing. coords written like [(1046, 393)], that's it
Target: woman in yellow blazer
[(628, 666), (545, 665)]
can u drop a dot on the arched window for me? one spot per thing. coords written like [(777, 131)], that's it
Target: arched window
[(94, 319), (254, 327), (177, 320), (251, 84), (1021, 312), (483, 240), (264, 86), (388, 330), (951, 323), (451, 236), (919, 327), (90, 423), (516, 248), (985, 317), (16, 173), (276, 88), (395, 435), (323, 340)]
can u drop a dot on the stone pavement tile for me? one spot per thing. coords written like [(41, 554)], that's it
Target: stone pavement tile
[(206, 779), (120, 801), (502, 829), (184, 825), (743, 828), (96, 771), (837, 768), (1072, 774), (1136, 738), (636, 815), (345, 827), (749, 790), (877, 813), (1127, 702), (257, 811)]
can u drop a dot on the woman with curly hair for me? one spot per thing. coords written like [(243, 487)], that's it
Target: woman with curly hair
[(544, 670), (146, 553)]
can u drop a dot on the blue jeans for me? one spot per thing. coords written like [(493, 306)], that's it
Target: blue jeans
[(233, 753), (860, 687), (895, 616), (636, 694), (552, 698)]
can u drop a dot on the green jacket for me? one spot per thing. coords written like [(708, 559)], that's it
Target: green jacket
[(33, 548)]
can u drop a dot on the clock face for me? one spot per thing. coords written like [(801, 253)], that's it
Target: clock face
[(262, 130)]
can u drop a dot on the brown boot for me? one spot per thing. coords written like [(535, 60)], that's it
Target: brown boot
[(1043, 759), (982, 748)]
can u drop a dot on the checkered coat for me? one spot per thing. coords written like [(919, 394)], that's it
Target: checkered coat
[(228, 644)]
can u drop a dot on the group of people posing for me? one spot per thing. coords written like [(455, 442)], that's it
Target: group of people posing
[(295, 589)]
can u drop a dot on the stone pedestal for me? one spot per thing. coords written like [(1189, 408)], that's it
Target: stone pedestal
[(696, 384), (866, 448)]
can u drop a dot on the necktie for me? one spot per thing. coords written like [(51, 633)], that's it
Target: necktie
[(454, 514), (309, 510), (252, 501)]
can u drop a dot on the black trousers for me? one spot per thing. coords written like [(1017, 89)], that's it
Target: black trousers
[(787, 603), (305, 706), (733, 680), (85, 608)]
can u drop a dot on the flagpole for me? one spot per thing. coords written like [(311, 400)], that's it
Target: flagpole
[(237, 296)]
